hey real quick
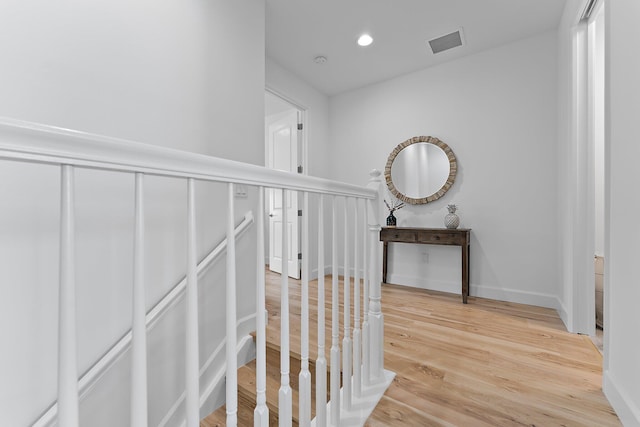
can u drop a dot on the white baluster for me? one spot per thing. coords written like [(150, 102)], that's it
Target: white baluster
[(232, 339), (261, 413), (192, 362), (335, 314), (285, 400), (347, 356), (304, 379), (67, 345), (321, 362), (357, 343), (366, 350), (139, 328), (375, 310)]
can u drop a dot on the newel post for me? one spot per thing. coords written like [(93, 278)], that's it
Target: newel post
[(376, 318)]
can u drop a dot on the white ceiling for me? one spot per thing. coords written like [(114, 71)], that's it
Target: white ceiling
[(299, 30)]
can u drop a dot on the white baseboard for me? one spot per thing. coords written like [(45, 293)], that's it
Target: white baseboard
[(482, 291), (564, 316), (417, 282), (627, 410), (515, 295)]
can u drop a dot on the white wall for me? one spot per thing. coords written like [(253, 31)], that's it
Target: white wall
[(497, 111), (622, 290), (188, 75)]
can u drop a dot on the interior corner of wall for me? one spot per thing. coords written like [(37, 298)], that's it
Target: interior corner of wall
[(563, 312)]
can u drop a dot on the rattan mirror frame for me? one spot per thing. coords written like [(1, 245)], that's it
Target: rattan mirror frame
[(453, 170)]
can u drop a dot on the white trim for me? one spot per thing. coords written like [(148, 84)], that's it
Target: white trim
[(627, 411), (302, 118), (583, 302), (562, 312), (515, 295), (286, 98), (32, 142), (480, 291)]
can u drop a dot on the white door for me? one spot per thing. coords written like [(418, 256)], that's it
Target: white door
[(282, 154)]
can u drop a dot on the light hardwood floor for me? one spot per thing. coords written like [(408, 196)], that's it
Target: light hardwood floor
[(486, 363)]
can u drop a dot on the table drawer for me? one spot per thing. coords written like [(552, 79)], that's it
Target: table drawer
[(394, 235), (440, 237)]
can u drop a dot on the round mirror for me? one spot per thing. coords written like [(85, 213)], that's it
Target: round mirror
[(420, 170)]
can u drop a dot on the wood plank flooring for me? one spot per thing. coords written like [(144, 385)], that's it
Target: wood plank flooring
[(486, 363)]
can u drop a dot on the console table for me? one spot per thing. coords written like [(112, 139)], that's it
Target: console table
[(429, 236)]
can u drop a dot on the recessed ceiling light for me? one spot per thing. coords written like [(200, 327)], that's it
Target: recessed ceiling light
[(320, 59), (365, 40)]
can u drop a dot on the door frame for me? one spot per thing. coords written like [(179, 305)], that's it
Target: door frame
[(303, 143), (582, 296), (301, 161)]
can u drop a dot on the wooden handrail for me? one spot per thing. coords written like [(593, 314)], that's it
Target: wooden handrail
[(33, 142)]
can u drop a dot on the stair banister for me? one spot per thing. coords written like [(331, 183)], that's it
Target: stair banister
[(261, 412), (357, 342), (376, 318), (151, 318), (32, 142), (321, 362), (68, 414), (21, 141), (304, 381), (285, 398), (232, 333), (366, 350), (335, 332), (139, 404), (192, 362), (347, 357)]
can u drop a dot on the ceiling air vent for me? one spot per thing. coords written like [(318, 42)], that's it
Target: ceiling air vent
[(446, 42)]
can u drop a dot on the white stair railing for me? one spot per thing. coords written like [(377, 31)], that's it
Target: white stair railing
[(139, 403), (192, 364), (366, 342), (346, 341), (360, 380), (285, 399), (376, 319), (261, 413), (335, 313), (357, 341), (321, 361), (67, 346), (93, 374), (232, 338), (304, 381)]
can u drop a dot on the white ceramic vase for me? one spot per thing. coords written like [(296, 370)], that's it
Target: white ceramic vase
[(452, 220)]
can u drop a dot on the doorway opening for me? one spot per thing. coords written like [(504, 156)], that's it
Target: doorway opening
[(596, 54), (284, 150)]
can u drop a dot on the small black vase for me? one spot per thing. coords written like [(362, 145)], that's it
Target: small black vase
[(391, 220)]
